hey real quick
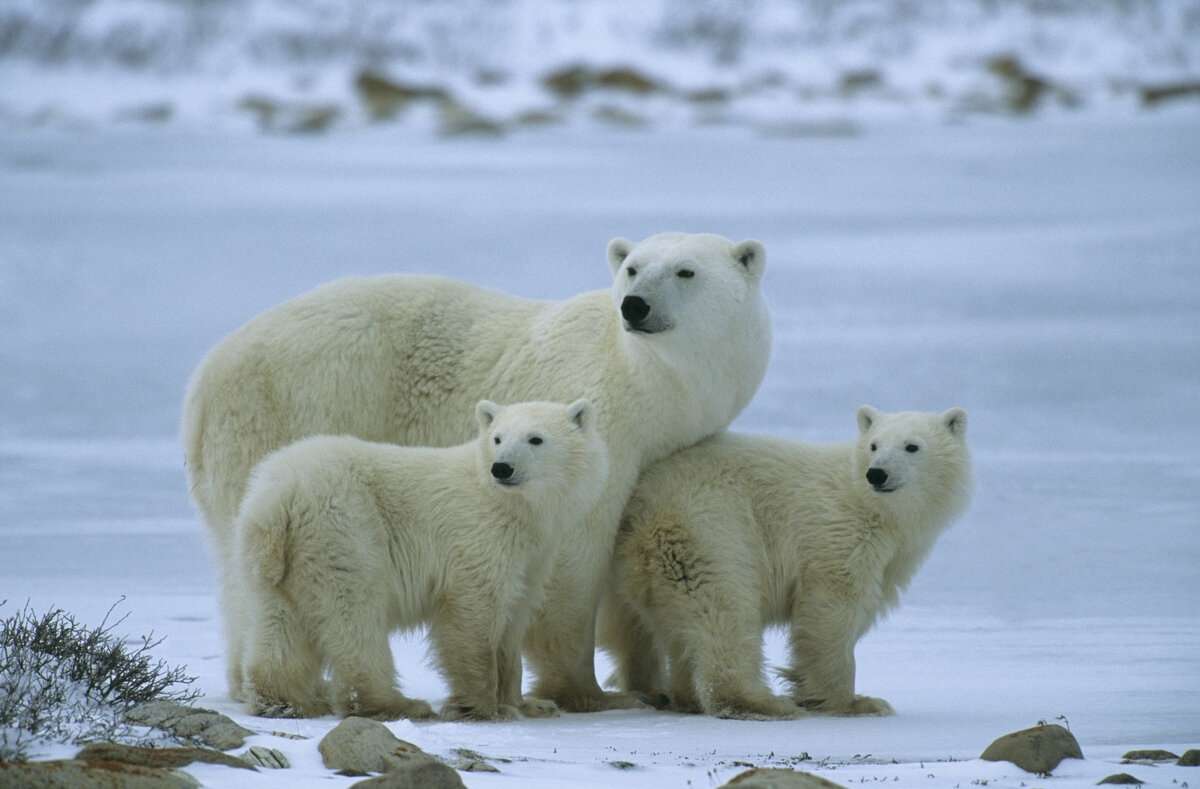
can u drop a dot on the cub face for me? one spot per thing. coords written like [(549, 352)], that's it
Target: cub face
[(907, 454), (698, 284), (537, 446)]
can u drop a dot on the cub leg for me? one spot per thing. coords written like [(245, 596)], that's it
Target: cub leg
[(282, 675), (821, 674)]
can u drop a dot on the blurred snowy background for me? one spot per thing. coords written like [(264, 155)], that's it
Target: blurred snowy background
[(497, 66)]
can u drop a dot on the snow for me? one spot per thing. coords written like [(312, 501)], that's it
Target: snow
[(113, 61), (1044, 275)]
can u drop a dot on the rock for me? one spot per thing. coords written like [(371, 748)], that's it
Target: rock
[(1190, 758), (421, 775), (457, 120), (157, 757), (191, 723), (1149, 756), (1036, 750), (361, 746), (1120, 778), (80, 774), (1154, 95), (385, 98), (570, 82), (779, 778), (266, 757)]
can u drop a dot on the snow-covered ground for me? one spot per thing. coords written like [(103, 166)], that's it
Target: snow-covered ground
[(1044, 275)]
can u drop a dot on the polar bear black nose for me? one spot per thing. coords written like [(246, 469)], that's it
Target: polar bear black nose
[(501, 470), (634, 309), (876, 476)]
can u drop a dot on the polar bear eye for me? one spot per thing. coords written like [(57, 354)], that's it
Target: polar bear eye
[(911, 448), (686, 273), (536, 440), (873, 447), (496, 439), (631, 272)]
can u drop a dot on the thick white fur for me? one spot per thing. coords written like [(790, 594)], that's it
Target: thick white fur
[(403, 359), (343, 541), (740, 532)]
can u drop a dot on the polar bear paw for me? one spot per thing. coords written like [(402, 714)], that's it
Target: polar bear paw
[(531, 707)]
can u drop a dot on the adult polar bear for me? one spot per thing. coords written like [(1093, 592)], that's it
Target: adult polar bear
[(672, 354)]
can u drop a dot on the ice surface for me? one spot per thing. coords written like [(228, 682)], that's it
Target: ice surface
[(1045, 276)]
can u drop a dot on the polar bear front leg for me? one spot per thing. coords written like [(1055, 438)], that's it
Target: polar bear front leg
[(508, 663), (466, 639), (824, 631)]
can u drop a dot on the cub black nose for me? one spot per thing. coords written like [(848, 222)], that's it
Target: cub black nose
[(634, 309), (876, 476), (501, 470)]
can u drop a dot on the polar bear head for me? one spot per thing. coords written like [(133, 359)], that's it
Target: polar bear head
[(917, 461), (677, 281), (543, 449)]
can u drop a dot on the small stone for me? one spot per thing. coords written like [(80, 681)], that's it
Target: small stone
[(779, 778), (266, 757), (1036, 750), (366, 746), (417, 775), (1150, 756), (191, 723), (1120, 778), (157, 757), (80, 774), (1190, 758), (622, 765), (290, 735)]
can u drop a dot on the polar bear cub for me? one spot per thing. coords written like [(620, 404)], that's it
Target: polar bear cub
[(740, 532), (341, 541)]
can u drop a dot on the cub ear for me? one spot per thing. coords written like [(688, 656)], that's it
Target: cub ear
[(618, 250), (581, 413), (867, 416), (486, 412), (956, 421), (752, 256)]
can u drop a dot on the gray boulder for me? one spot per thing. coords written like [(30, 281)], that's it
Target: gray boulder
[(80, 774), (1190, 758), (358, 746), (1036, 750), (157, 757), (191, 723), (779, 778), (415, 775)]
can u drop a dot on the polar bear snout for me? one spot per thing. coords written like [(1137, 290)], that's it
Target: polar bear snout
[(634, 309), (879, 480), (503, 474)]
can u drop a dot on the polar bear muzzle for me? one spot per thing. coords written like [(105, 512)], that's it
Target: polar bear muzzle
[(639, 317), (878, 478), (502, 473)]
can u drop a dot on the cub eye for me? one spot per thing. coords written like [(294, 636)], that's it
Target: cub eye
[(873, 447), (535, 440), (686, 273), (911, 448), (631, 272), (495, 439)]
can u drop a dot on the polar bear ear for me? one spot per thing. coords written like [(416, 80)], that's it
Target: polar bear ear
[(956, 421), (618, 250), (581, 413), (752, 256), (867, 416), (486, 412)]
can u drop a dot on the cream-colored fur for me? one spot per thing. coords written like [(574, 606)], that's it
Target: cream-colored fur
[(343, 541), (403, 359), (740, 532)]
